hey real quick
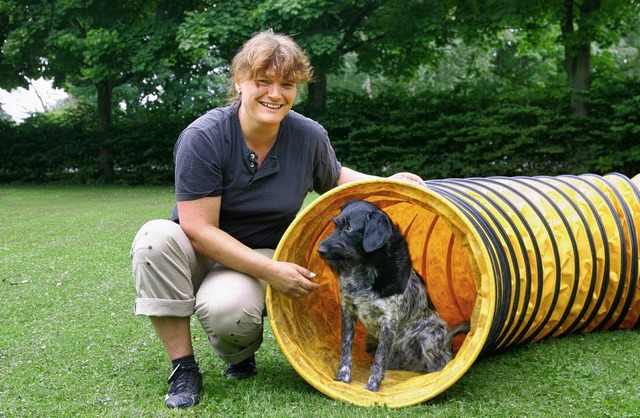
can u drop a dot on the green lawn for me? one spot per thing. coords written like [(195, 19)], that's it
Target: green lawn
[(71, 346)]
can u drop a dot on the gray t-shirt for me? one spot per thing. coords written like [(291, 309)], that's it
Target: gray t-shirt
[(258, 204)]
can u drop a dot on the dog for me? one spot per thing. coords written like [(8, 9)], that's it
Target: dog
[(379, 286)]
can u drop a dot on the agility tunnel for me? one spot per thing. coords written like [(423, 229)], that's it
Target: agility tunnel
[(522, 258)]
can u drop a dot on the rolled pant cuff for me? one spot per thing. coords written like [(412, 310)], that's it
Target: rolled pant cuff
[(164, 307), (236, 358)]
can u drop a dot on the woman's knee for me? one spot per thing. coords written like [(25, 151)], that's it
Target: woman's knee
[(241, 330), (162, 261), (158, 238), (234, 317)]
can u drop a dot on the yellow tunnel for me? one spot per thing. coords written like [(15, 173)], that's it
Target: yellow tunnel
[(524, 258)]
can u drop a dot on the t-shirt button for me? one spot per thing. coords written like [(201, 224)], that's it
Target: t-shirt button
[(252, 165)]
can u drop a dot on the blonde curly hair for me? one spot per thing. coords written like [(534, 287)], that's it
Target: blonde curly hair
[(269, 54)]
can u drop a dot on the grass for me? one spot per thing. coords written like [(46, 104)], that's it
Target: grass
[(71, 346)]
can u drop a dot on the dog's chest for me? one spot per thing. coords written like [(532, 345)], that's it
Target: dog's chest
[(372, 310), (374, 314)]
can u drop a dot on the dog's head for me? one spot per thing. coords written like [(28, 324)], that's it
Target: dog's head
[(361, 229)]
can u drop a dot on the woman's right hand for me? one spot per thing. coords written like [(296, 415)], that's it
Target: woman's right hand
[(291, 279)]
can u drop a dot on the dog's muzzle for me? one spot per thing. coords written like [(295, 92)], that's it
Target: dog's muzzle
[(328, 251)]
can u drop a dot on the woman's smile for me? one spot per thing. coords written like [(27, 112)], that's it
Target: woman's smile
[(271, 105)]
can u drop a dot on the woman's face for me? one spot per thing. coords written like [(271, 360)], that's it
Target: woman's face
[(267, 100)]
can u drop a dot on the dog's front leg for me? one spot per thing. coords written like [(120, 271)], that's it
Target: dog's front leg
[(379, 366), (349, 318)]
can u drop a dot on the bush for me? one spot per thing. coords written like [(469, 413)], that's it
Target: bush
[(482, 133), (475, 131), (41, 150)]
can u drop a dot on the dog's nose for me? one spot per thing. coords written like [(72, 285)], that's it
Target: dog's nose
[(322, 249)]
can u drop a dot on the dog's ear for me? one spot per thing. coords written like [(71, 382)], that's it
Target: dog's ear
[(377, 231)]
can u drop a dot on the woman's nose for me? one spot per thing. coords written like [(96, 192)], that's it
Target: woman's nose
[(275, 90)]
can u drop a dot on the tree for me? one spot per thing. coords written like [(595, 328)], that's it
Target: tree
[(90, 42), (581, 24), (379, 32)]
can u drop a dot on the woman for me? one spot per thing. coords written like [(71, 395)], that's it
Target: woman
[(241, 175)]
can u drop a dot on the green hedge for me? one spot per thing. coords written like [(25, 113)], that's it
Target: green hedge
[(479, 135), (477, 132), (39, 151)]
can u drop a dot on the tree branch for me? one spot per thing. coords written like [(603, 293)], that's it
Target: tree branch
[(348, 35)]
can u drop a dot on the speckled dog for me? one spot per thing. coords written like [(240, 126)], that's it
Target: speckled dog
[(379, 286)]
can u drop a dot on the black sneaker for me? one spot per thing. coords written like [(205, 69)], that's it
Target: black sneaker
[(184, 387), (243, 370)]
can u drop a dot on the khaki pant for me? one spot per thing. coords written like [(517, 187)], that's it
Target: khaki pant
[(172, 280)]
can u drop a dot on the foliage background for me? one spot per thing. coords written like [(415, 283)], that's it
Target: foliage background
[(461, 88), (473, 133)]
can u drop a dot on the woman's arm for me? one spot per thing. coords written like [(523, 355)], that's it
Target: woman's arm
[(200, 221), (348, 175)]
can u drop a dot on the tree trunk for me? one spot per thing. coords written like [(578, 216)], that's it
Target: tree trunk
[(317, 99), (578, 68), (577, 52), (105, 161), (104, 105)]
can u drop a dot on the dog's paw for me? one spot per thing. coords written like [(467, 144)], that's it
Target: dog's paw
[(343, 376), (372, 385)]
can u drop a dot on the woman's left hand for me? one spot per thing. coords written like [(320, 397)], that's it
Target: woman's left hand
[(408, 177)]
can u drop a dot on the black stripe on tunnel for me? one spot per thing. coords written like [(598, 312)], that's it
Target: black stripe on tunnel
[(574, 247), (590, 239), (511, 338), (633, 276), (502, 181), (469, 184), (498, 263), (607, 262), (623, 266)]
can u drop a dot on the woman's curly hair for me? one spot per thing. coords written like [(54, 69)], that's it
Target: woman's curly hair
[(272, 55)]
